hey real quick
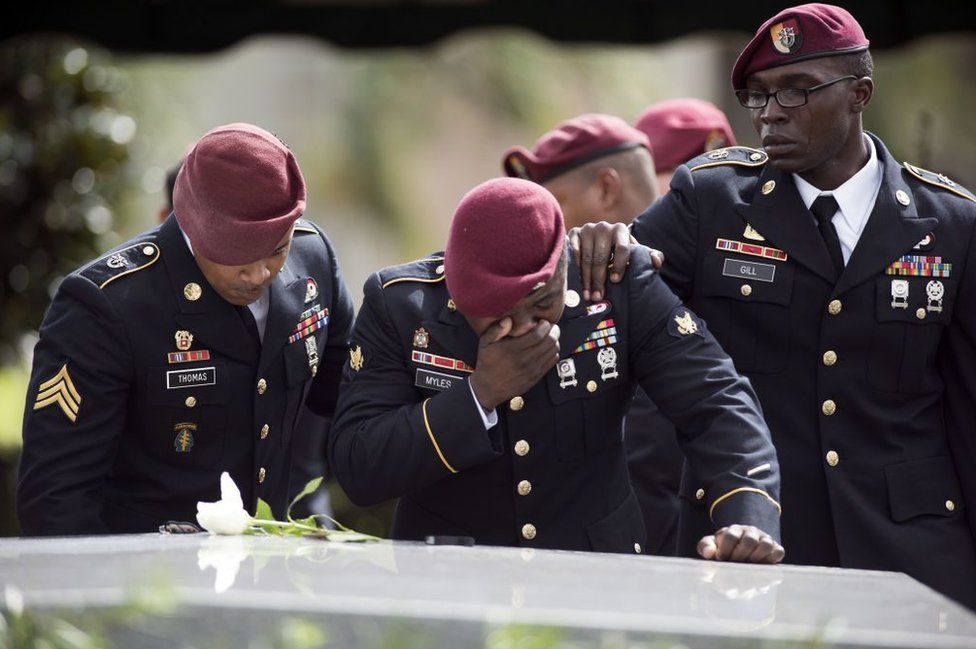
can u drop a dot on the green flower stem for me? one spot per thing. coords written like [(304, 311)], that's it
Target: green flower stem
[(289, 524)]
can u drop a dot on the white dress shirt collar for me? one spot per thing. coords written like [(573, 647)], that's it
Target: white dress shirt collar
[(855, 197)]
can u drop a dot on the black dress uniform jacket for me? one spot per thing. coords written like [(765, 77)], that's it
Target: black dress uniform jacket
[(120, 435), (552, 473), (870, 399)]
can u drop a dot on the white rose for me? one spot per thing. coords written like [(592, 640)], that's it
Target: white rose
[(227, 515)]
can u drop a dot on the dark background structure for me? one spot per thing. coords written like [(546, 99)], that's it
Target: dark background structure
[(184, 27)]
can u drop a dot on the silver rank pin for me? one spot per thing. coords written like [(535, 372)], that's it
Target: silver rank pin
[(566, 369), (607, 358), (899, 294), (935, 292)]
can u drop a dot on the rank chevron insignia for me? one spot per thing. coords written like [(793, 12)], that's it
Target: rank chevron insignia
[(61, 390)]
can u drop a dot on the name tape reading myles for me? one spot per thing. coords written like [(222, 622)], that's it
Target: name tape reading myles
[(192, 378), (436, 380)]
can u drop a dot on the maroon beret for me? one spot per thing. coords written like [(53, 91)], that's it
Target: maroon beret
[(570, 145), (238, 193), (506, 239), (680, 129), (799, 33)]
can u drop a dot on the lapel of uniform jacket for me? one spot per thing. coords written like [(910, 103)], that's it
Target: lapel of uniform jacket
[(287, 299), (785, 222), (891, 230), (576, 324), (212, 320), (450, 334)]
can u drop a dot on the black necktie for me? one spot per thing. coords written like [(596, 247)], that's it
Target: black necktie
[(824, 209), (250, 324)]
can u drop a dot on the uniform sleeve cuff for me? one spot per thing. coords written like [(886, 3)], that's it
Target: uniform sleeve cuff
[(746, 506), (457, 430)]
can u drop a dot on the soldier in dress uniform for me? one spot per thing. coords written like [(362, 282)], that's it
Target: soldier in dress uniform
[(681, 129), (840, 282), (186, 352), (599, 168), (488, 397)]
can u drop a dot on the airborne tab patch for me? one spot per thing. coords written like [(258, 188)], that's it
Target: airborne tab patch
[(60, 390)]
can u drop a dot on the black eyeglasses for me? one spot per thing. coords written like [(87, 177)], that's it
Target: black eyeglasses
[(785, 97)]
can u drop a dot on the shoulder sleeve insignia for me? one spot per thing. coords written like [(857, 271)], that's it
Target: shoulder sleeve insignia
[(59, 390), (303, 226), (939, 180), (120, 263), (429, 270), (742, 156)]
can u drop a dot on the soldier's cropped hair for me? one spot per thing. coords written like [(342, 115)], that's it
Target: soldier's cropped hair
[(860, 64)]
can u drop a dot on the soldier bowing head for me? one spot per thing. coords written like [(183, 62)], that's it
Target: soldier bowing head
[(236, 199), (505, 264)]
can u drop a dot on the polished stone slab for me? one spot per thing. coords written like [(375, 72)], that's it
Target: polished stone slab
[(221, 590)]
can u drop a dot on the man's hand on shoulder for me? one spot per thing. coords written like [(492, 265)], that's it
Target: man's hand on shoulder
[(745, 543), (601, 247)]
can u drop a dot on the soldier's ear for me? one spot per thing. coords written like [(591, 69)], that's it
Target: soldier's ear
[(611, 187), (861, 92)]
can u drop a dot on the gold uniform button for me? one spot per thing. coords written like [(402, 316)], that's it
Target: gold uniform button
[(265, 430), (148, 250), (832, 458), (192, 291), (262, 386), (699, 494), (591, 386), (920, 314), (524, 488), (528, 531), (829, 357), (755, 156), (450, 305), (829, 407), (190, 402), (439, 270), (261, 474), (315, 370), (517, 403), (521, 448), (746, 290), (834, 307), (951, 506), (637, 548)]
